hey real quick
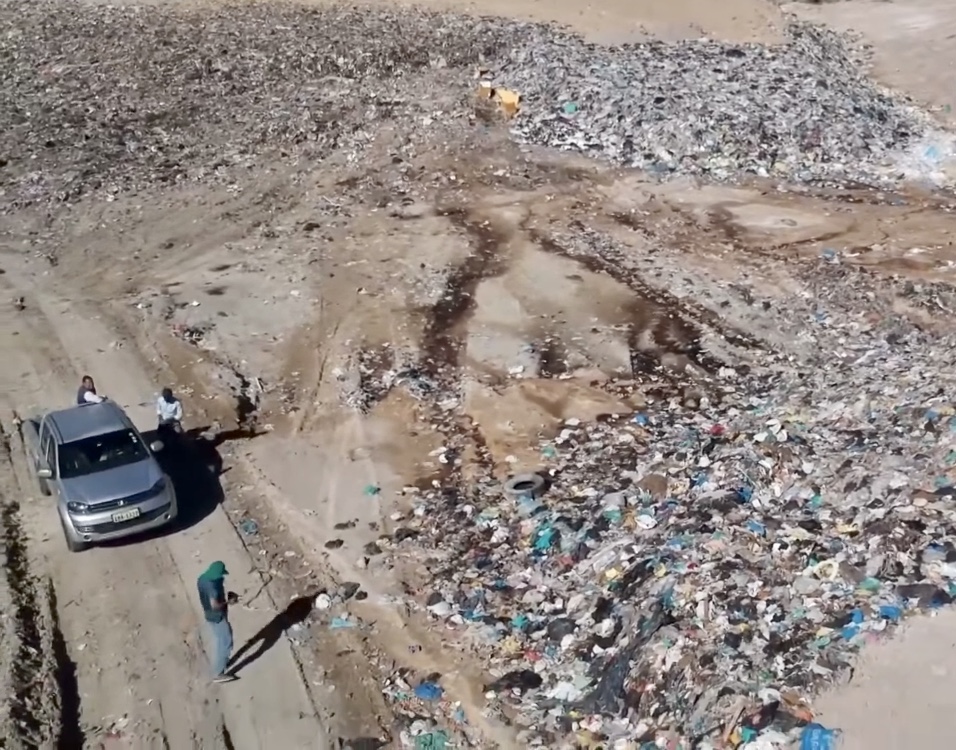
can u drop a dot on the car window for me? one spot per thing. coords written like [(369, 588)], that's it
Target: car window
[(100, 453)]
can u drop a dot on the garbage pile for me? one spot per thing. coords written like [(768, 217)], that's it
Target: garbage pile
[(695, 575), (85, 112), (184, 95), (801, 111)]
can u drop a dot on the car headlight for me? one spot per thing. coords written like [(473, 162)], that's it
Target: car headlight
[(160, 486), (77, 507)]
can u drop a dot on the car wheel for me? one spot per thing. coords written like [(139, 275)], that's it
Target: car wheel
[(72, 544), (44, 487)]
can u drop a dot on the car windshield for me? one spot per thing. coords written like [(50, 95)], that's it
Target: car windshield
[(100, 453)]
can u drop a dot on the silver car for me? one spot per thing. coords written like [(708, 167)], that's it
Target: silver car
[(107, 482)]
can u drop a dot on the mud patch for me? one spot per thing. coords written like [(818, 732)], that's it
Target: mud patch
[(442, 339), (773, 227), (226, 737), (673, 325), (552, 357), (659, 333)]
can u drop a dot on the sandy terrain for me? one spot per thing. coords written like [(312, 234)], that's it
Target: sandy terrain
[(901, 694), (316, 283)]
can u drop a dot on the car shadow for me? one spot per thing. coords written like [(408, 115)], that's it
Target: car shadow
[(298, 609), (194, 465)]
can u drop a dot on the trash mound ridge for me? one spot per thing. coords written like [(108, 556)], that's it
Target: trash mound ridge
[(86, 110), (31, 671), (803, 111), (83, 110)]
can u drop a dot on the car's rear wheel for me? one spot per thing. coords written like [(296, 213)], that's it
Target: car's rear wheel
[(71, 543)]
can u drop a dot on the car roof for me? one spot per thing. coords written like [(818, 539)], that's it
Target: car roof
[(89, 420)]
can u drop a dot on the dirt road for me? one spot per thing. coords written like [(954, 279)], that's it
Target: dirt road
[(132, 668)]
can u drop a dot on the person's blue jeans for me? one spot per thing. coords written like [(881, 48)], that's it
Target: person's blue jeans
[(221, 646)]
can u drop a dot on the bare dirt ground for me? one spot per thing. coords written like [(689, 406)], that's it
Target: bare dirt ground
[(318, 285), (880, 707)]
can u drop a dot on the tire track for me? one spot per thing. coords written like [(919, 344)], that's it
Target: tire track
[(442, 334), (226, 736), (663, 330), (163, 640), (351, 676), (33, 700)]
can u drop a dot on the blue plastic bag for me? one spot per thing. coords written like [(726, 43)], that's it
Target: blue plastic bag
[(818, 737), (437, 740), (891, 612), (428, 691), (544, 538)]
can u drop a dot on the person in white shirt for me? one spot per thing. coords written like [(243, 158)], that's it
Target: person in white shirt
[(169, 409), (86, 394)]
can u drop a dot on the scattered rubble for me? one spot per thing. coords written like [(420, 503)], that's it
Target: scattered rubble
[(84, 114), (701, 573)]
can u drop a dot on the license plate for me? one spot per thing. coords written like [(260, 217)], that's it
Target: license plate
[(126, 515)]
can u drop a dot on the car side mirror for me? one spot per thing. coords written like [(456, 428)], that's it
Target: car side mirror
[(45, 473), (156, 446)]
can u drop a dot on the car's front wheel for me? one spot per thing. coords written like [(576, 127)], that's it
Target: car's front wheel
[(74, 545)]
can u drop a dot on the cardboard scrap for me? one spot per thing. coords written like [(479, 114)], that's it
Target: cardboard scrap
[(509, 102)]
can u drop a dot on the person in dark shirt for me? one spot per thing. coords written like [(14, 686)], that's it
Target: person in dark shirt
[(215, 607), (86, 393)]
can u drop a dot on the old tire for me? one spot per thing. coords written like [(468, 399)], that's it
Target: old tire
[(525, 485)]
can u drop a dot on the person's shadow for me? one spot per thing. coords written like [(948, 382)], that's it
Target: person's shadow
[(268, 636), (205, 442)]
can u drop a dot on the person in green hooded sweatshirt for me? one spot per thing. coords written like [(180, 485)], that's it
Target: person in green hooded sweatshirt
[(215, 607)]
